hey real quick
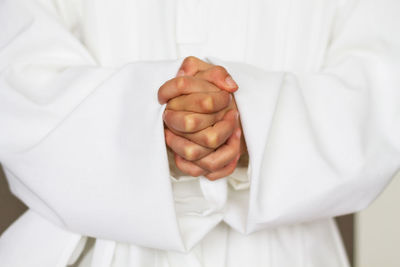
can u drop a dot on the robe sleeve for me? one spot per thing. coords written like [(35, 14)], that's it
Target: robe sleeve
[(326, 143), (83, 145)]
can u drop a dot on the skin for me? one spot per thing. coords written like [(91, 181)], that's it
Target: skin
[(202, 125)]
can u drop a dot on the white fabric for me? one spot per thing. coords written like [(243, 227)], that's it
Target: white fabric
[(82, 136), (32, 241)]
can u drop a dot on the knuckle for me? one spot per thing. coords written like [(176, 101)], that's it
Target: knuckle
[(189, 62), (207, 104), (190, 152), (181, 83), (189, 122), (191, 59), (212, 139)]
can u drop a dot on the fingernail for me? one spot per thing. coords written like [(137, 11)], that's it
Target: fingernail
[(230, 82), (180, 73), (164, 114), (237, 114)]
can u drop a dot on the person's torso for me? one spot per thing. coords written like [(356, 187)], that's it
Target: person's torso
[(275, 35)]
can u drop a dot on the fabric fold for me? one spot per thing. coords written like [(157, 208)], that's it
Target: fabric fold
[(33, 237), (78, 139), (320, 143)]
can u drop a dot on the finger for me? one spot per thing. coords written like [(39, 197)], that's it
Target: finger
[(191, 65), (227, 170), (219, 76), (189, 122), (184, 85), (188, 167), (185, 148), (213, 137), (201, 102), (223, 155)]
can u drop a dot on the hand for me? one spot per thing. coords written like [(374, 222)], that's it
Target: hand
[(192, 115), (192, 66), (202, 119)]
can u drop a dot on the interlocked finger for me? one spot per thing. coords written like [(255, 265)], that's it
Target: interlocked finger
[(188, 167), (185, 148), (201, 102), (192, 65), (215, 136), (227, 170), (190, 122), (223, 155), (182, 86), (219, 76)]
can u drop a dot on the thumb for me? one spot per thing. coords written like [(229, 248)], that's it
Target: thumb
[(220, 77), (192, 65)]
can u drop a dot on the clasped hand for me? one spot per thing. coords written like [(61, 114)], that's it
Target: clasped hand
[(201, 120)]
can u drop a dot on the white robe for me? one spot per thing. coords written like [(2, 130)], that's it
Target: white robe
[(82, 143)]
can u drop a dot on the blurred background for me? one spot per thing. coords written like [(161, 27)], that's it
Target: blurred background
[(371, 237)]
